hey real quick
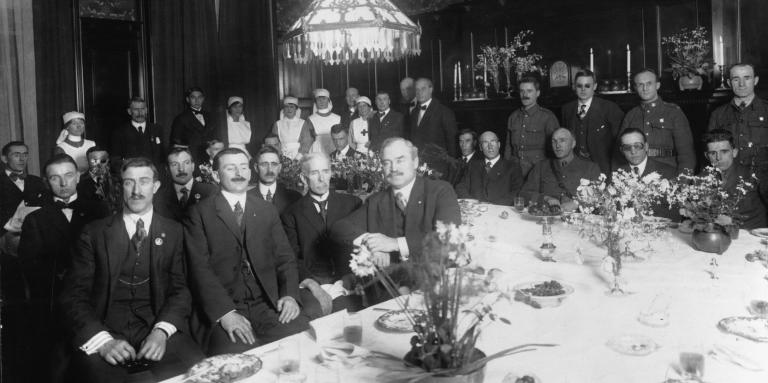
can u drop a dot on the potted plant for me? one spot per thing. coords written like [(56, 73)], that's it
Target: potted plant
[(689, 51), (458, 304), (710, 209)]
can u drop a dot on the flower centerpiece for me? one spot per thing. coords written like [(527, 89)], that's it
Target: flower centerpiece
[(710, 207), (516, 55), (689, 52), (364, 174), (290, 173), (458, 305), (489, 61), (616, 209)]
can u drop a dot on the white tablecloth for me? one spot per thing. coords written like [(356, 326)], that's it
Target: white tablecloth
[(588, 318)]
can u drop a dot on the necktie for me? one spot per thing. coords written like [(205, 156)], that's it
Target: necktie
[(15, 176), (422, 110), (582, 111), (239, 213), (62, 205), (196, 112), (742, 106), (139, 235), (466, 159), (381, 114), (269, 196), (636, 170), (184, 196), (488, 166), (323, 205), (400, 201)]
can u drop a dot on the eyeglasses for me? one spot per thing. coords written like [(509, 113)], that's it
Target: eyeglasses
[(718, 153), (637, 146), (97, 161)]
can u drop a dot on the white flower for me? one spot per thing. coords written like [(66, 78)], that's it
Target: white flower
[(652, 177), (361, 262)]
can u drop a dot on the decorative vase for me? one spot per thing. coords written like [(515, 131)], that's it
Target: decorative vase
[(615, 254), (710, 242), (690, 82)]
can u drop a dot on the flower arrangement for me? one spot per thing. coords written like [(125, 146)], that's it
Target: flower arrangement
[(361, 172), (446, 337), (516, 54), (290, 174), (489, 60), (206, 174), (706, 203), (689, 51)]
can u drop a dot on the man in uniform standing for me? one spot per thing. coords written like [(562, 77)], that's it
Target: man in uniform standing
[(664, 124)]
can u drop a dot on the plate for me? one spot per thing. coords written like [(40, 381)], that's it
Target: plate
[(397, 320), (633, 344), (541, 301), (761, 232), (223, 368), (752, 328)]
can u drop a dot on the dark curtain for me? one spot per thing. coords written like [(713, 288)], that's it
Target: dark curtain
[(55, 69)]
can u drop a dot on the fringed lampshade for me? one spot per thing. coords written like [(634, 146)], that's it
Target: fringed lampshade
[(343, 31)]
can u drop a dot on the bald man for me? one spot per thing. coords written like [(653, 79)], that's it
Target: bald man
[(554, 181), (493, 179)]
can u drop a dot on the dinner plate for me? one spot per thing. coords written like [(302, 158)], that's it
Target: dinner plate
[(633, 344), (752, 328), (761, 232), (223, 368), (397, 320), (542, 301)]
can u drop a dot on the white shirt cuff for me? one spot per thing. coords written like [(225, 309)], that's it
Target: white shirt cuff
[(95, 343), (403, 245), (219, 320), (167, 327)]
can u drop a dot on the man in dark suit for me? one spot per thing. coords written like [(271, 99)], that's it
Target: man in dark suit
[(242, 267), (340, 137), (386, 123), (721, 152), (347, 110), (125, 299), (321, 261), (98, 184), (393, 222), (468, 148), (432, 123), (407, 101), (46, 235), (493, 179), (268, 166), (137, 138), (633, 145), (594, 122), (193, 127), (175, 198)]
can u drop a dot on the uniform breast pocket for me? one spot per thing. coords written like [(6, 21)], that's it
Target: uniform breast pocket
[(758, 132), (660, 131), (533, 138)]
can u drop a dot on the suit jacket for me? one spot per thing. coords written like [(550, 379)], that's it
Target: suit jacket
[(499, 186), (86, 190), (96, 266), (438, 127), (214, 243), (283, 197), (660, 209), (430, 201), (318, 255), (167, 203), (35, 194), (602, 123), (46, 238), (751, 209), (187, 130), (346, 116), (463, 167), (392, 125), (128, 143)]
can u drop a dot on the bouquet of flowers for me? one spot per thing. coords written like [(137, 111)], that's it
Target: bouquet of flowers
[(290, 174), (489, 60), (689, 51), (516, 55), (361, 172), (206, 174), (446, 337), (706, 203)]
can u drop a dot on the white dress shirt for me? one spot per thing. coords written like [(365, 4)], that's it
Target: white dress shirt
[(178, 187), (142, 125), (320, 198), (19, 182), (67, 211), (422, 111), (263, 189), (383, 114), (493, 160), (233, 199), (342, 153), (588, 103), (640, 167), (467, 157)]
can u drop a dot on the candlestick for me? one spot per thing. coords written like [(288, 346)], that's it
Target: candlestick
[(440, 53), (629, 60), (485, 77), (591, 60), (506, 37), (722, 53), (459, 69), (472, 60), (455, 81)]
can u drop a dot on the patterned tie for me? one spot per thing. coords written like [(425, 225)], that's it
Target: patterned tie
[(323, 205), (488, 166), (582, 111), (184, 196), (269, 196), (15, 176), (239, 213), (139, 235), (636, 170), (400, 201)]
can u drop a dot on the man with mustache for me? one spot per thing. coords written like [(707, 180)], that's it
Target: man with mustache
[(554, 181), (664, 124), (175, 198), (125, 298), (243, 270), (137, 138), (392, 223), (268, 166), (529, 127), (492, 179)]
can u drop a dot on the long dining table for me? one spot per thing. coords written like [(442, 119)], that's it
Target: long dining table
[(695, 289)]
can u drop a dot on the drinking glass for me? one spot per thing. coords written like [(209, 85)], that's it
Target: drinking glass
[(692, 365), (290, 356), (353, 328)]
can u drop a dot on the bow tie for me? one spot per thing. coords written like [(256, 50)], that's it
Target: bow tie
[(423, 107), (381, 114), (196, 112), (15, 176), (63, 205)]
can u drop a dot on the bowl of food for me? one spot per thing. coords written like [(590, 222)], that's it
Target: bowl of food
[(544, 293)]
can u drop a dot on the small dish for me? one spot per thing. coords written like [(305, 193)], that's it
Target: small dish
[(397, 320), (760, 232), (633, 344), (542, 301)]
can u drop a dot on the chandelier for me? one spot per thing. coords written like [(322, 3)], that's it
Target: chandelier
[(343, 31)]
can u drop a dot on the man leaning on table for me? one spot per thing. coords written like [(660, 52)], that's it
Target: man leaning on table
[(722, 153), (125, 297), (554, 181), (493, 179), (242, 268), (392, 223)]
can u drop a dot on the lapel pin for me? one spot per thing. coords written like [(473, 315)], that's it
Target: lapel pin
[(158, 241), (197, 196)]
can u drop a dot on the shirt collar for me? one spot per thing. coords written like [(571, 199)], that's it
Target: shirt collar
[(641, 166), (384, 112), (406, 190), (343, 152), (264, 188), (494, 160), (130, 220), (588, 103), (321, 198), (468, 156), (188, 185), (233, 199), (139, 124), (532, 109), (71, 199), (426, 103), (747, 101)]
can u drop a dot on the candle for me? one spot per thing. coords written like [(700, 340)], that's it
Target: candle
[(591, 60), (459, 70), (506, 37), (455, 75), (471, 48), (485, 73), (629, 60), (722, 52), (610, 63)]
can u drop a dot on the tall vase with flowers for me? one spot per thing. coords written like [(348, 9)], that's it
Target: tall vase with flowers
[(458, 305), (689, 52), (517, 55)]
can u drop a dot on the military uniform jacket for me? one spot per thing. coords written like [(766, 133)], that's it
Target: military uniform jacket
[(667, 133), (542, 181), (528, 133), (749, 127)]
